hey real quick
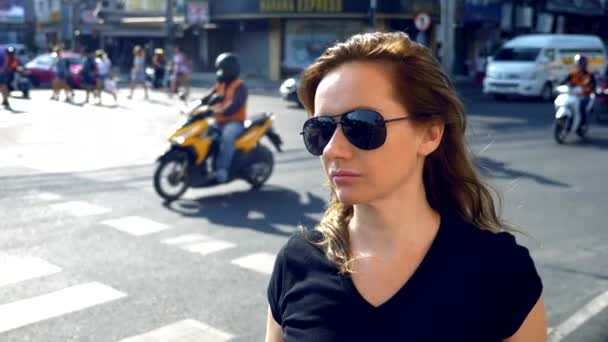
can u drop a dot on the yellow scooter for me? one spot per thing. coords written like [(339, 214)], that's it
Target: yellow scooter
[(189, 161)]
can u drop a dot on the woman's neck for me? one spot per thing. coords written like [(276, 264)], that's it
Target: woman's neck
[(388, 225)]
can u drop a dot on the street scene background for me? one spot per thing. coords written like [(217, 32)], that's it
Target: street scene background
[(89, 252)]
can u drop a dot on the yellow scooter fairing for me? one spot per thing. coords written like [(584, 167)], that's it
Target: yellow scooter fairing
[(254, 131), (190, 135)]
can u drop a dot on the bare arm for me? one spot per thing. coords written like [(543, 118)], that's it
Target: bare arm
[(534, 327), (274, 333)]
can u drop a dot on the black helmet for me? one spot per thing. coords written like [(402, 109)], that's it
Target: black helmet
[(227, 66), (580, 60)]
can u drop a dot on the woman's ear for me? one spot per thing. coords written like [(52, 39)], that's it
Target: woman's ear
[(431, 138)]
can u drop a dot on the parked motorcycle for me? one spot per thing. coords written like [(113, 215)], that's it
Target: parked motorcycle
[(567, 113), (189, 162), (20, 82), (601, 101)]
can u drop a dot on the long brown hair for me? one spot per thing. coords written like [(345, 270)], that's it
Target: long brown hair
[(450, 180)]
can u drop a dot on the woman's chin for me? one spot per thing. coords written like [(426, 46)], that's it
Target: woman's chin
[(347, 196)]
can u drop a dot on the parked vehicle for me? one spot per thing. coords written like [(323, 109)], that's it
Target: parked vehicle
[(42, 69), (21, 83), (533, 65), (567, 113), (289, 90)]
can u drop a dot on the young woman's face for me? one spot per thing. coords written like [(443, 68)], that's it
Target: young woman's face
[(363, 176)]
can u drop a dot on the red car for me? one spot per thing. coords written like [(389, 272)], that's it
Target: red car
[(42, 71)]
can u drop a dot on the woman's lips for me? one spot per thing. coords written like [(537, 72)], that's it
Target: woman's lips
[(340, 176)]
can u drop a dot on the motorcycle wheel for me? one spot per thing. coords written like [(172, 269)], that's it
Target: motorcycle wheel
[(258, 172), (177, 164), (560, 130)]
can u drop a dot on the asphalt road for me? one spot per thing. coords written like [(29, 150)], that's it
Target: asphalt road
[(88, 251)]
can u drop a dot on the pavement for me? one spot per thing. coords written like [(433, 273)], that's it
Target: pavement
[(88, 252)]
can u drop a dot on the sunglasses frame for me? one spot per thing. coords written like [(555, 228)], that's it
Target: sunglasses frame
[(383, 121)]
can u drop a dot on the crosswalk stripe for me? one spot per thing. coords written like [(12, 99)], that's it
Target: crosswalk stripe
[(185, 239), (16, 269), (597, 305), (208, 247), (27, 311), (136, 225), (260, 262), (48, 196), (80, 209), (183, 331)]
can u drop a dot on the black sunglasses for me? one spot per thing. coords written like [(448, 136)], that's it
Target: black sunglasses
[(364, 128)]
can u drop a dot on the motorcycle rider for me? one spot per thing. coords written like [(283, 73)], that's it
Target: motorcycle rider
[(231, 113), (582, 77)]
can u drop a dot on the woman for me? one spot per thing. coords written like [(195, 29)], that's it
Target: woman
[(410, 247), (62, 73), (138, 72), (104, 78), (181, 73)]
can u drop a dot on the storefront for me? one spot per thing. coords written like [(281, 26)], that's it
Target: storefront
[(12, 23), (281, 37), (577, 16)]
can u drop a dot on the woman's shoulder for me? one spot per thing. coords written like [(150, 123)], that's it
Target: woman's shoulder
[(497, 250), (300, 247)]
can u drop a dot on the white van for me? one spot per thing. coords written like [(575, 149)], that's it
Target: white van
[(532, 65)]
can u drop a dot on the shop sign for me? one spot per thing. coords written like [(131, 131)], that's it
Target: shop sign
[(301, 6), (197, 12)]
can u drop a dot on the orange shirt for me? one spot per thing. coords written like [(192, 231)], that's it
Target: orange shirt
[(583, 80), (228, 95)]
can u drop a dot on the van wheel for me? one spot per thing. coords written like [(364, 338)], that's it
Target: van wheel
[(500, 97), (546, 94)]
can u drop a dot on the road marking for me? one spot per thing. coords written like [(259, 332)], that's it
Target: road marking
[(15, 269), (185, 239), (208, 247), (260, 262), (48, 196), (182, 331), (592, 308), (80, 209), (136, 225), (27, 311)]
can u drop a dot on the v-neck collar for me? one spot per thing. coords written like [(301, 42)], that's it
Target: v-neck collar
[(353, 292)]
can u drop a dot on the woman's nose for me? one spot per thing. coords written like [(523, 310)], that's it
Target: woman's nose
[(338, 146)]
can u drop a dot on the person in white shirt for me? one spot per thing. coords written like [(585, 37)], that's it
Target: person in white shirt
[(104, 77)]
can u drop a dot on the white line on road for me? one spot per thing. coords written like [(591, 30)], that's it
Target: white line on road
[(182, 331), (208, 247), (136, 225), (185, 239), (27, 311), (48, 196), (260, 262), (592, 308), (16, 269), (80, 209)]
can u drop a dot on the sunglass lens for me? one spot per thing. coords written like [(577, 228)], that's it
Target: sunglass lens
[(365, 129), (317, 132)]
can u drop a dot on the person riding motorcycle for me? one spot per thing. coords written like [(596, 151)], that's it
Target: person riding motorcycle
[(581, 77), (230, 114)]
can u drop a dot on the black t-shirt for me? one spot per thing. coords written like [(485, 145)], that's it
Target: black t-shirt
[(473, 285)]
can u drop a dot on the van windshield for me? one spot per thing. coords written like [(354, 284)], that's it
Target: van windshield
[(521, 54)]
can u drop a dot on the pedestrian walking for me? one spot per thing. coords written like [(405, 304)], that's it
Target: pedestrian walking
[(159, 62), (105, 82), (138, 72), (181, 73), (411, 246), (88, 75), (61, 67)]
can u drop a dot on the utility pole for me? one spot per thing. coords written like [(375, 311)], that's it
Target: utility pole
[(448, 11), (169, 26), (373, 4)]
